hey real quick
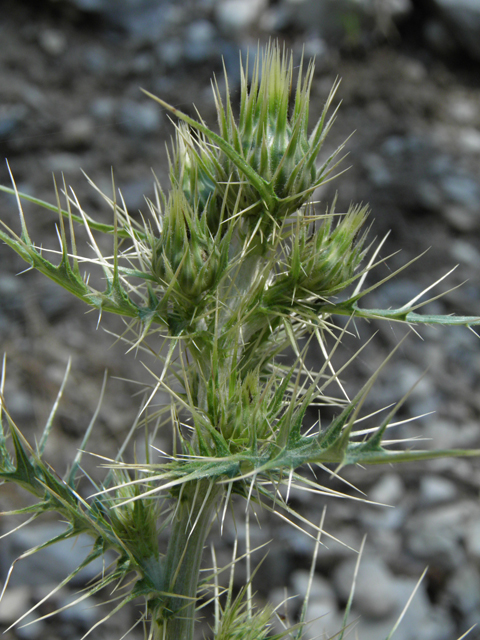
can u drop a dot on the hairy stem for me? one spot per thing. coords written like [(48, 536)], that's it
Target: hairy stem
[(197, 506)]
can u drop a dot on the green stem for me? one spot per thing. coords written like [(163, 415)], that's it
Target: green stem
[(198, 503)]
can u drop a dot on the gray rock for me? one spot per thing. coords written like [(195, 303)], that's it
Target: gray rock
[(50, 565), (388, 490), (81, 614), (52, 41), (320, 589), (31, 628), (439, 38), (53, 300), (103, 109), (325, 620), (78, 131), (462, 190), (420, 622), (11, 118), (435, 489), (375, 593), (139, 119), (144, 20), (336, 20), (12, 294), (200, 43), (431, 176), (134, 193), (14, 603), (462, 18), (464, 589), (472, 540), (170, 52), (435, 536), (236, 16)]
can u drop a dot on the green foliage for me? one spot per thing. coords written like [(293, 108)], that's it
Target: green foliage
[(234, 267)]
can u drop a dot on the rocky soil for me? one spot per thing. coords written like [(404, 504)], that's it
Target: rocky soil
[(70, 78)]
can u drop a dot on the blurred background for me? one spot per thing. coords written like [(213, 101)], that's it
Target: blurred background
[(70, 99)]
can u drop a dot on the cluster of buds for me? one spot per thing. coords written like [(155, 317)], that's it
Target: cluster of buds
[(255, 178)]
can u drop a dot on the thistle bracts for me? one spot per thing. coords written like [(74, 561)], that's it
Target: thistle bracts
[(264, 165)]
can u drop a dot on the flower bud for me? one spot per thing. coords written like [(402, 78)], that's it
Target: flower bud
[(271, 137), (192, 170), (184, 257)]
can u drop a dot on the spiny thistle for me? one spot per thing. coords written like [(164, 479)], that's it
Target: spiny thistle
[(234, 267)]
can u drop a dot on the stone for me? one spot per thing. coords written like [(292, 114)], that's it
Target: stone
[(51, 564), (103, 108), (52, 41), (472, 540), (78, 132), (134, 193), (11, 118), (199, 41), (462, 18), (375, 593), (388, 490), (435, 490), (320, 589), (236, 16), (325, 620), (15, 601), (464, 589), (139, 119)]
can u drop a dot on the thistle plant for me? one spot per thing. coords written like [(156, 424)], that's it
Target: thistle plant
[(230, 268)]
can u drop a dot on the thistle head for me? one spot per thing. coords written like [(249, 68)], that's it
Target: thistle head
[(320, 262), (192, 170), (271, 136), (185, 256)]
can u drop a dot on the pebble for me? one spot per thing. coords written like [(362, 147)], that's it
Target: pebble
[(170, 52), (435, 536), (11, 119), (51, 564), (460, 218), (390, 489), (235, 16), (31, 628), (462, 17), (320, 589), (139, 119), (469, 140), (472, 540), (65, 162), (420, 622), (435, 490), (134, 193), (464, 589), (81, 614), (375, 593), (325, 619), (462, 190), (14, 603), (200, 44), (103, 108), (78, 132), (53, 41)]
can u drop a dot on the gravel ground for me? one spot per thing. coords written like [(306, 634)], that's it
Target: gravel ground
[(70, 74)]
